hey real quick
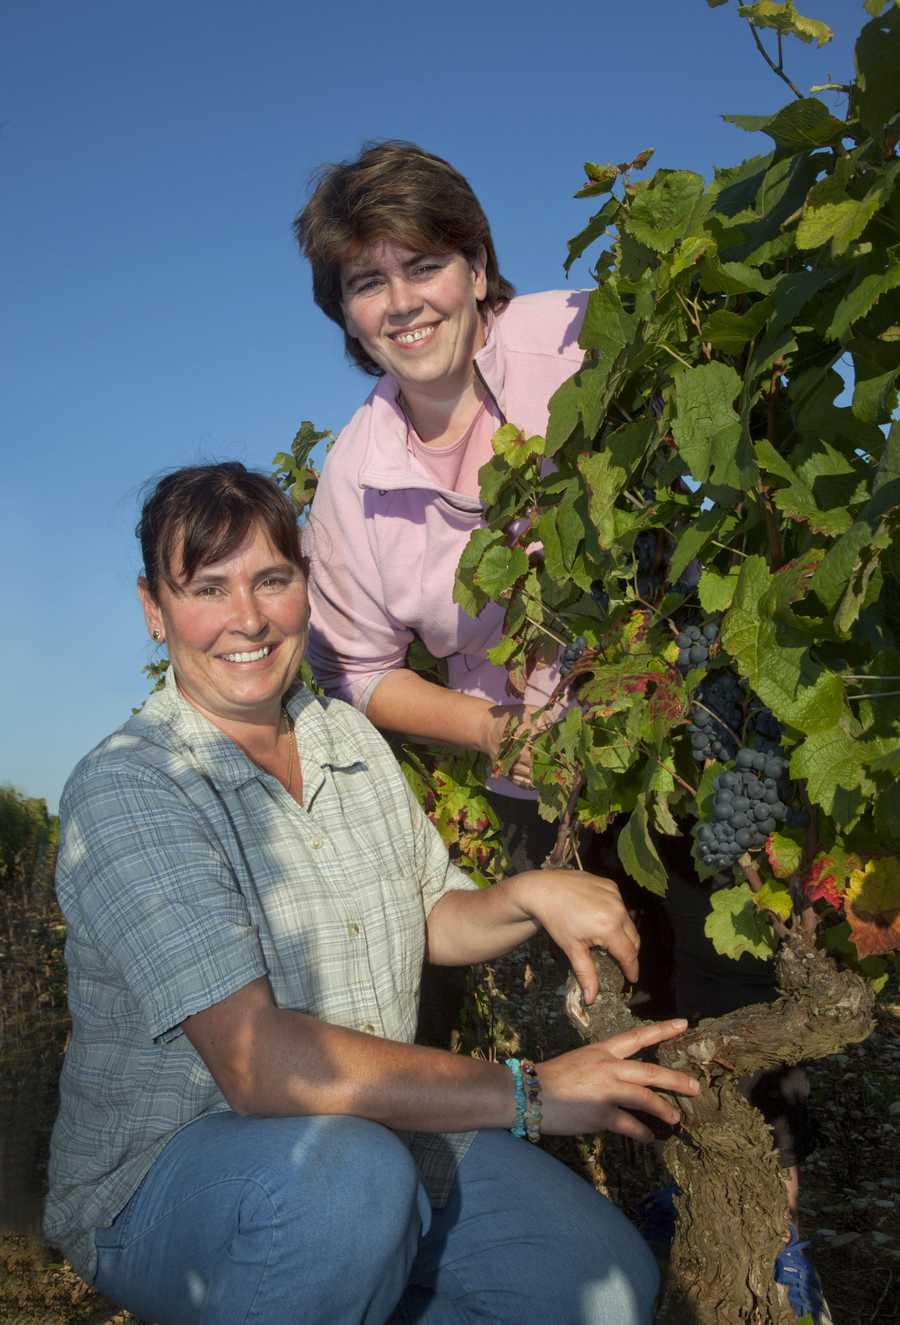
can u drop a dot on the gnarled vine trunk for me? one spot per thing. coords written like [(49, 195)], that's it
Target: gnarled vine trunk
[(733, 1210)]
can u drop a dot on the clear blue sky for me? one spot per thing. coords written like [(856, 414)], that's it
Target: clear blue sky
[(155, 310)]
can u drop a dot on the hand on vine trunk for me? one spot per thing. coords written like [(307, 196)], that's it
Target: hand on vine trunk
[(581, 911), (504, 722), (598, 1087)]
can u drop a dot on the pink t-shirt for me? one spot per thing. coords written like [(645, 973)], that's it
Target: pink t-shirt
[(454, 468)]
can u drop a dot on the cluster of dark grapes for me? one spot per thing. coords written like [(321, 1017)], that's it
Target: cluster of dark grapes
[(600, 596), (716, 716), (649, 581), (765, 725), (694, 644), (571, 653), (748, 806)]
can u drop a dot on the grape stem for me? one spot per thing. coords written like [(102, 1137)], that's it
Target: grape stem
[(720, 721), (776, 68), (751, 874), (567, 832), (853, 676)]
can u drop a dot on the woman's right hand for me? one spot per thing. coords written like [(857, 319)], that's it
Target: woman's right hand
[(500, 723), (595, 1088)]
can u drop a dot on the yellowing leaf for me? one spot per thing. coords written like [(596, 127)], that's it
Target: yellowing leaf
[(777, 900), (783, 854), (735, 926), (516, 449), (873, 906), (783, 17)]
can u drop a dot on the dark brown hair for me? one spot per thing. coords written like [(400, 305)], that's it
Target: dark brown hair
[(395, 191), (211, 509)]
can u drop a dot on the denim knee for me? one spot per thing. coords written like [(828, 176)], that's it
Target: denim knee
[(361, 1180)]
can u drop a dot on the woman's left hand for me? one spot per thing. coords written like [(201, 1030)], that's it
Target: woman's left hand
[(581, 911)]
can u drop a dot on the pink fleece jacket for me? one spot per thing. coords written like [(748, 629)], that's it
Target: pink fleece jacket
[(384, 542)]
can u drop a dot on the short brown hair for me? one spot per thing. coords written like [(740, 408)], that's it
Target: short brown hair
[(396, 191), (211, 508)]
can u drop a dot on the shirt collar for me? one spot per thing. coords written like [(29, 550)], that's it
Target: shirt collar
[(170, 720)]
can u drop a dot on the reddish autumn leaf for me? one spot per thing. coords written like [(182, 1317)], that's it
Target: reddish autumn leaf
[(828, 877), (821, 884), (873, 907)]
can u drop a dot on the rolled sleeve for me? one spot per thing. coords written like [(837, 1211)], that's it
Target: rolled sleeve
[(436, 872), (354, 641), (156, 897)]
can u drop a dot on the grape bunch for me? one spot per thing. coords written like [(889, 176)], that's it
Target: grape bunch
[(716, 716), (765, 725), (600, 596), (694, 643), (649, 581), (571, 653), (747, 807)]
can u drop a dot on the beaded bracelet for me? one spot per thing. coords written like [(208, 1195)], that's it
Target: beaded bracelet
[(533, 1112), (528, 1099), (518, 1127)]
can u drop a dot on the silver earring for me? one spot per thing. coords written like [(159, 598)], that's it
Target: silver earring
[(156, 635)]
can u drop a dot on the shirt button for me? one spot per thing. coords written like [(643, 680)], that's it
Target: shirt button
[(367, 1028), (353, 929), (317, 842)]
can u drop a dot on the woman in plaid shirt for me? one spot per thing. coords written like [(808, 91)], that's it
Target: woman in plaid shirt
[(246, 1131)]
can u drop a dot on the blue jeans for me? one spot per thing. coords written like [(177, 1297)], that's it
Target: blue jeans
[(323, 1221)]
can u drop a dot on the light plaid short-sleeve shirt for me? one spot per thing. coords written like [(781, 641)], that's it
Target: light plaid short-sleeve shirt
[(184, 873)]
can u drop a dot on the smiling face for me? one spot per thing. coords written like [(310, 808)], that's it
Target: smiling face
[(416, 314), (235, 631)]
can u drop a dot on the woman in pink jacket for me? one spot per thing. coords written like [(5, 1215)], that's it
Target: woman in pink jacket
[(403, 261)]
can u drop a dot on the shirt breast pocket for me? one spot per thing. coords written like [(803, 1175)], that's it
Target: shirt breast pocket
[(400, 927)]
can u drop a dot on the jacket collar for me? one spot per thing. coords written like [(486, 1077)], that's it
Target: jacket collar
[(169, 720), (386, 462)]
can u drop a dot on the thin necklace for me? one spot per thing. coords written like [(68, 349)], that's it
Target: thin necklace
[(289, 726)]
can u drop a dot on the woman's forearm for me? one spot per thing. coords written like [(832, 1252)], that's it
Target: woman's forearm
[(275, 1062), (405, 702), (468, 927)]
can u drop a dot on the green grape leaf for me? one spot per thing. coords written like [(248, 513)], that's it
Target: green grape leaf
[(839, 222), (805, 124), (465, 592), (707, 429), (604, 480), (828, 759), (877, 62), (735, 925), (730, 332), (797, 500), (713, 523), (638, 853), (749, 123), (689, 252), (668, 210), (601, 177), (499, 569), (595, 229), (861, 298), (783, 17), (717, 591), (770, 646), (570, 527)]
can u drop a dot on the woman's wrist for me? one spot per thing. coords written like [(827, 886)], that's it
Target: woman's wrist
[(527, 1086)]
